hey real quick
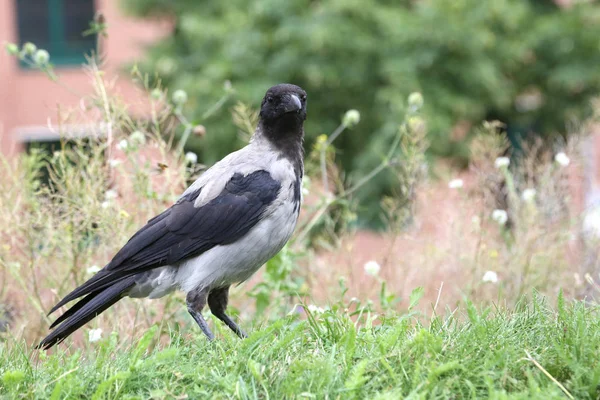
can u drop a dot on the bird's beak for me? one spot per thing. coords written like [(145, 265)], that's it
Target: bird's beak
[(293, 104)]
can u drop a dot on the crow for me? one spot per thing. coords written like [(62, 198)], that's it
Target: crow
[(226, 225)]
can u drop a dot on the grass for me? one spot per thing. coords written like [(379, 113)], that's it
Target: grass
[(98, 192), (531, 351)]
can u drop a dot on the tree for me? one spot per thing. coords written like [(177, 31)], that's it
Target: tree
[(528, 63)]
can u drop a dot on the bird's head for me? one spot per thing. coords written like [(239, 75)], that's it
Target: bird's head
[(284, 107)]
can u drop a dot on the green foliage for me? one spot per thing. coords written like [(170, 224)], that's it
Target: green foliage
[(521, 353), (279, 286), (527, 63)]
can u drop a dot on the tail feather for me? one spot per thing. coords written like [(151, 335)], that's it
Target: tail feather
[(85, 310), (90, 286), (77, 306)]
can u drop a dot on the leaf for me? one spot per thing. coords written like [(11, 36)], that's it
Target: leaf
[(415, 296), (143, 344), (105, 386), (13, 378), (357, 376)]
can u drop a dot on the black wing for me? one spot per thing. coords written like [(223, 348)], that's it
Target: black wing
[(184, 231)]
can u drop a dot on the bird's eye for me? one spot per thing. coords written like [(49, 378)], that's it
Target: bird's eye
[(303, 97), (270, 99)]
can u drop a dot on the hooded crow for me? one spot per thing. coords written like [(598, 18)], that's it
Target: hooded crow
[(225, 226)]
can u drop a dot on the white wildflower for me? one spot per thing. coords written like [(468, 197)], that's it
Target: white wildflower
[(122, 145), (372, 268), (94, 335), (156, 93), (351, 118), (191, 158), (490, 276), (415, 101), (29, 48), (137, 138), (110, 194), (528, 195), (105, 204), (500, 216), (315, 310), (455, 184), (92, 269), (502, 162), (11, 49), (562, 159), (180, 97), (41, 57), (114, 163)]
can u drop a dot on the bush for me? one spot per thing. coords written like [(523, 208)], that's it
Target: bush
[(527, 63)]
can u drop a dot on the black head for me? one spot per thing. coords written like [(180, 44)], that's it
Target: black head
[(282, 115), (284, 107)]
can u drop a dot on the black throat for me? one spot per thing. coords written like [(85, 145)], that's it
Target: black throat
[(287, 135)]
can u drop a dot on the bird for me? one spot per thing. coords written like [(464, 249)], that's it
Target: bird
[(228, 223)]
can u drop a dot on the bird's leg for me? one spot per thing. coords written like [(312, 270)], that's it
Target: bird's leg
[(196, 300), (217, 301)]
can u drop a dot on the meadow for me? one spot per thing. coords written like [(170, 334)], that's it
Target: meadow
[(534, 350), (492, 297)]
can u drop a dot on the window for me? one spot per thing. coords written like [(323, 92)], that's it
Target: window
[(57, 26), (47, 141)]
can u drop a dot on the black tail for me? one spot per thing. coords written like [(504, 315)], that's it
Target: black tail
[(85, 310)]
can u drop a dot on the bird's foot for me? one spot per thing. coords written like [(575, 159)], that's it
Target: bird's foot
[(202, 323)]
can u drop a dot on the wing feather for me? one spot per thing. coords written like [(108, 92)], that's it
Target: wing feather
[(184, 231)]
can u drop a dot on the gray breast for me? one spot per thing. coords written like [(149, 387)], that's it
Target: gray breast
[(228, 264)]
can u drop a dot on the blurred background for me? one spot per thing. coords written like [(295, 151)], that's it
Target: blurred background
[(532, 65)]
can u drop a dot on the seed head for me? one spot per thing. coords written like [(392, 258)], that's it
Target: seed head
[(502, 162), (199, 130), (490, 276), (191, 158), (351, 118), (137, 138), (156, 94), (110, 194), (455, 184), (315, 309), (122, 145), (500, 216), (29, 48), (92, 269), (94, 335), (11, 48), (415, 101), (562, 159), (372, 268), (528, 195), (180, 97), (41, 57)]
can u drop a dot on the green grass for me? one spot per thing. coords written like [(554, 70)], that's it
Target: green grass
[(526, 352)]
